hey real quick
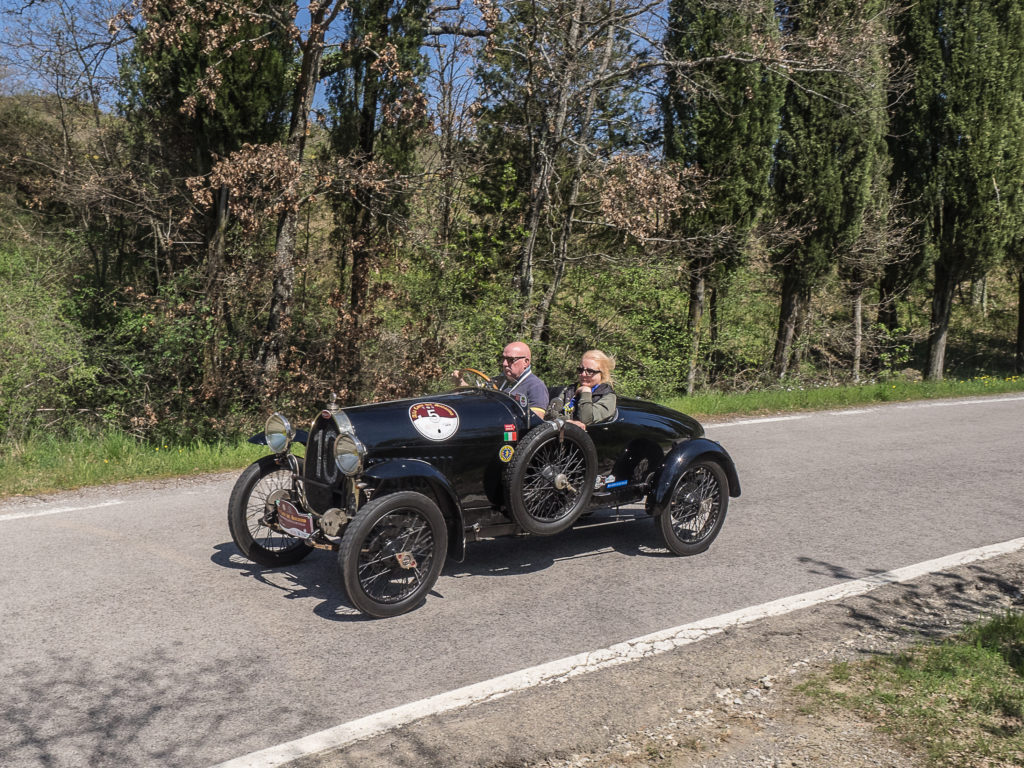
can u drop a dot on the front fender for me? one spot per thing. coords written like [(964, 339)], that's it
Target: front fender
[(677, 461), (301, 436), (402, 471)]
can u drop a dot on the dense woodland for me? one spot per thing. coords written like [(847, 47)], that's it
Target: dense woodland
[(211, 209)]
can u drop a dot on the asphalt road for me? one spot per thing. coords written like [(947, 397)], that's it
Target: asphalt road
[(133, 634)]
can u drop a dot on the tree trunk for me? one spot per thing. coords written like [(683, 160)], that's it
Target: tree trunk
[(544, 309), (544, 165), (1018, 357), (979, 295), (789, 312), (215, 268), (695, 324), (887, 292), (713, 299), (803, 320), (279, 316), (562, 256), (716, 294), (942, 304), (858, 330)]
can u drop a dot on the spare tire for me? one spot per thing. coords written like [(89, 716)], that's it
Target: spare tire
[(550, 480)]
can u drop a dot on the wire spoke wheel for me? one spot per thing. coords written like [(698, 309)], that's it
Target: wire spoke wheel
[(392, 553), (697, 510), (551, 478), (252, 508), (383, 574)]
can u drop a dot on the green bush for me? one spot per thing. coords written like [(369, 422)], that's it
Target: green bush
[(45, 374)]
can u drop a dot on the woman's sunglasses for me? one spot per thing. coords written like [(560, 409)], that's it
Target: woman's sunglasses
[(589, 371)]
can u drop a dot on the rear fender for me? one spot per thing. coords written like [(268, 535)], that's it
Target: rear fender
[(410, 474), (676, 463), (301, 436)]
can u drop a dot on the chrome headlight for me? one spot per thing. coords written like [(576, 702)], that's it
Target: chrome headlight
[(348, 455), (279, 433), (348, 451)]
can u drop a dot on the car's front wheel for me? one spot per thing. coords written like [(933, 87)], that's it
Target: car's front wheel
[(699, 502), (251, 509), (392, 553)]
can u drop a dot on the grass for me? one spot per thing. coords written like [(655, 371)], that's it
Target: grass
[(960, 703), (821, 398), (43, 464)]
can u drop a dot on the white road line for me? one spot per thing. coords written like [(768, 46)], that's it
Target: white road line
[(947, 403), (621, 653), (765, 420), (715, 426), (41, 512)]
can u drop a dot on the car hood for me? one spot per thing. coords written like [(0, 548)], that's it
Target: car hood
[(452, 418)]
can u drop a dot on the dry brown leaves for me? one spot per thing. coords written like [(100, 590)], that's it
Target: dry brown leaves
[(263, 182), (642, 197)]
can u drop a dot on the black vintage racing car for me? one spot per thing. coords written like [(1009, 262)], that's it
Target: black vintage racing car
[(398, 487)]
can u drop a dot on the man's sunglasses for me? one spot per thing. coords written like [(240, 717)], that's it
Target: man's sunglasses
[(589, 371), (511, 360)]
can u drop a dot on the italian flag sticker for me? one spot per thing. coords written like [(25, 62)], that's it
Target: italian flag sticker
[(510, 433)]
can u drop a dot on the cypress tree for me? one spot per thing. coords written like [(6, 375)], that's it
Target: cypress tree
[(880, 241), (376, 100), (825, 161), (378, 116), (180, 131), (184, 132), (723, 118), (957, 141), (162, 83)]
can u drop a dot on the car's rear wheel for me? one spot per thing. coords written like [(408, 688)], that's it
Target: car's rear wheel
[(252, 507), (550, 480), (697, 510), (392, 553)]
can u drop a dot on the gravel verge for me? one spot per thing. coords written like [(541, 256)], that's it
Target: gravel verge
[(728, 701)]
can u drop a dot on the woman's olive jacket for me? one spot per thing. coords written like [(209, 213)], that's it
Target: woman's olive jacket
[(588, 407)]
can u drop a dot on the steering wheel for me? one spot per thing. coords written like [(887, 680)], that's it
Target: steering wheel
[(475, 378)]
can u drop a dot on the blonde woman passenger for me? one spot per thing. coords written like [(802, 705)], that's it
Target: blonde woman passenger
[(592, 398)]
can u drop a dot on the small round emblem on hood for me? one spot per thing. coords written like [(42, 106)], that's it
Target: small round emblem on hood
[(435, 421)]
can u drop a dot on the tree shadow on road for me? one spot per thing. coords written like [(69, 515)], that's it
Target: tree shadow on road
[(125, 712), (930, 606)]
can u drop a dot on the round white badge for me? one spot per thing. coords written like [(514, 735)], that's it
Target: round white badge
[(435, 421)]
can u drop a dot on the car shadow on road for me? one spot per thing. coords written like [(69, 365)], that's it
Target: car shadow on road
[(316, 577), (604, 531)]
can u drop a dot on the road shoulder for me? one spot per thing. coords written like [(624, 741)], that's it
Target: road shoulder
[(728, 700)]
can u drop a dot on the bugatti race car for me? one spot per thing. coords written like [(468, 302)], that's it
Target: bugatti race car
[(399, 487)]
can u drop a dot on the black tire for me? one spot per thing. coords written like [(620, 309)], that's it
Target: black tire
[(699, 502), (399, 526), (251, 501), (550, 480)]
